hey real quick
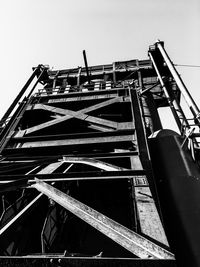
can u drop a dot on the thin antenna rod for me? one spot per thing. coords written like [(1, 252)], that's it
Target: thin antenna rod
[(86, 66)]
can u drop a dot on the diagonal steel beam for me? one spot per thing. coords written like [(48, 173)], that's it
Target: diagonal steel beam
[(93, 162), (68, 114), (47, 170), (73, 114), (85, 110), (128, 239), (20, 214)]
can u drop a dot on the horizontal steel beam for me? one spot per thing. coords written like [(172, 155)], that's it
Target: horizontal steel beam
[(50, 260), (98, 155), (73, 176), (78, 96), (72, 136), (81, 141), (63, 99)]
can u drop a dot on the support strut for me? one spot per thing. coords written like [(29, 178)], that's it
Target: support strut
[(128, 239), (188, 98)]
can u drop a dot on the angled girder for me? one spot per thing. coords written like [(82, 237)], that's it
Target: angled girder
[(50, 168), (128, 239), (62, 111), (20, 214), (147, 214), (111, 170), (15, 217), (93, 162)]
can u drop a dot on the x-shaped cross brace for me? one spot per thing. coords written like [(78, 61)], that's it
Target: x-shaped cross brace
[(66, 114)]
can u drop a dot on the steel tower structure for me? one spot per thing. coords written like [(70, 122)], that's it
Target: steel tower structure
[(88, 176)]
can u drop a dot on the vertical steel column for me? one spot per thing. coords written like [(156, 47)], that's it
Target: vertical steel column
[(188, 98), (156, 123), (142, 144), (114, 72), (140, 131), (79, 76), (166, 93), (145, 108), (140, 135)]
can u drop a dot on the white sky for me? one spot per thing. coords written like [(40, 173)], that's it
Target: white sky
[(55, 32)]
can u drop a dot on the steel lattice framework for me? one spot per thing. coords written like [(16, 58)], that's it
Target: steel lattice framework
[(78, 170)]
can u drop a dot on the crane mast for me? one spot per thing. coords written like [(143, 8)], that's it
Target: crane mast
[(88, 175)]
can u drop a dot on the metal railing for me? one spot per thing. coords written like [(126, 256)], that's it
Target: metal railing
[(97, 86)]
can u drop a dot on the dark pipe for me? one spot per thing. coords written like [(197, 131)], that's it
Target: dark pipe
[(86, 66), (178, 186)]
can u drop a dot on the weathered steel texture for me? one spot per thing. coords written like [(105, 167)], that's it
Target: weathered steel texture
[(50, 168), (92, 162), (83, 135), (148, 217), (140, 130), (130, 240), (81, 141), (142, 139)]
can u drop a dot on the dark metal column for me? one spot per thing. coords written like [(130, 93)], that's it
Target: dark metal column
[(177, 180)]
